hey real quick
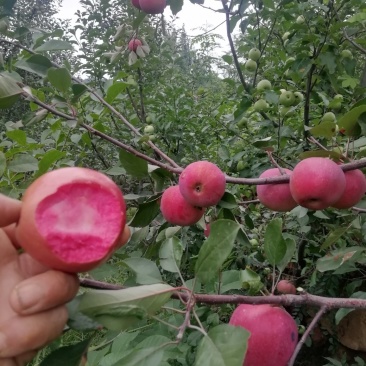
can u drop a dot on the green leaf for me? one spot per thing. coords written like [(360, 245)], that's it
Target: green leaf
[(349, 121), (333, 236), (120, 309), (36, 64), (230, 280), (325, 129), (224, 345), (23, 163), (251, 281), (145, 214), (228, 59), (9, 91), (48, 159), (114, 90), (78, 90), (69, 355), (319, 153), (274, 243), (142, 357), (216, 249), (54, 45), (176, 6), (170, 254), (134, 166), (290, 251), (328, 59), (59, 78), (18, 136), (2, 163), (341, 313), (228, 201), (146, 271)]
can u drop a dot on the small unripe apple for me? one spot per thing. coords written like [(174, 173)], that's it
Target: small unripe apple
[(338, 97), (276, 197), (254, 243), (329, 117), (273, 334), (136, 4), (286, 287), (260, 105), (346, 54), (152, 138), (148, 130), (254, 54), (299, 97), (287, 98), (177, 210), (251, 66), (72, 219), (202, 184), (152, 6), (354, 191), (133, 44), (286, 111), (317, 183), (241, 165), (264, 85), (243, 122), (300, 19)]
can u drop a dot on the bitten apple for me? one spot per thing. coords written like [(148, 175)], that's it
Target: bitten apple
[(276, 197), (177, 210), (317, 183), (273, 335), (354, 191), (202, 184)]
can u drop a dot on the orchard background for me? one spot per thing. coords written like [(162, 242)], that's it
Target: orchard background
[(75, 95)]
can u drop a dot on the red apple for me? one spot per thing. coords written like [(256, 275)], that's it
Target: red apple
[(317, 183), (202, 184), (355, 189), (71, 219), (177, 210), (136, 4), (276, 197), (273, 336), (286, 287), (133, 44), (153, 6)]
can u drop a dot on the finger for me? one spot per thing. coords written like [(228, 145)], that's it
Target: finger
[(43, 292), (10, 210), (20, 360), (23, 334), (29, 267), (10, 232)]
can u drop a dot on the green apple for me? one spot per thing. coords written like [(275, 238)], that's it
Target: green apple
[(287, 98), (338, 97), (241, 165), (299, 97), (300, 19), (329, 117), (285, 36), (243, 122), (149, 130), (254, 243), (261, 105), (152, 138), (286, 111), (254, 54), (264, 85), (346, 54), (251, 65)]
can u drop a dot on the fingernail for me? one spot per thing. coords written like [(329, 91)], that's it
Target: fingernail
[(28, 296)]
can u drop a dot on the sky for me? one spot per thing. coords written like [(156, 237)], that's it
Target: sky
[(192, 16)]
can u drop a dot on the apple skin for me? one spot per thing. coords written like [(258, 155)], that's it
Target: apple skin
[(260, 105), (300, 19), (274, 334), (264, 85), (276, 197), (355, 189), (329, 117), (250, 65), (148, 130), (133, 44), (299, 97), (177, 210), (317, 183), (287, 98), (152, 6), (72, 219), (254, 54), (286, 287), (202, 184), (136, 4), (346, 54)]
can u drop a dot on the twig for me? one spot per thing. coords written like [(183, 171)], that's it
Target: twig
[(274, 162)]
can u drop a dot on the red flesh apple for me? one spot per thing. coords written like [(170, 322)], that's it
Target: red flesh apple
[(153, 6), (133, 44), (177, 210), (273, 336), (276, 197), (286, 287), (355, 189), (136, 4), (71, 219), (202, 184), (317, 183)]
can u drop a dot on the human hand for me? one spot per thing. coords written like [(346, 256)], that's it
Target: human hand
[(33, 297)]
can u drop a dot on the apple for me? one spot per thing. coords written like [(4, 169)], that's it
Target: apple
[(243, 122), (207, 230), (286, 111), (285, 35), (136, 4), (72, 219), (251, 66), (300, 19), (338, 97), (260, 105), (152, 6), (273, 334), (152, 138), (317, 183), (177, 210), (346, 54), (329, 117), (254, 54), (125, 237), (148, 130), (355, 189), (202, 184), (299, 97), (264, 85), (276, 197), (254, 243), (241, 165), (286, 287), (287, 98), (133, 44)]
